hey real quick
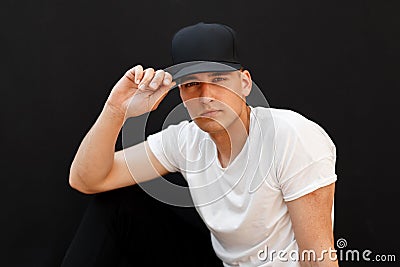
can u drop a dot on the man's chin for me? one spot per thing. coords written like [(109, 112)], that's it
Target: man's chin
[(209, 125)]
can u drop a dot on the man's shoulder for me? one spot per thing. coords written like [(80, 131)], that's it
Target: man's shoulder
[(183, 129), (282, 118), (177, 126), (291, 127), (287, 124)]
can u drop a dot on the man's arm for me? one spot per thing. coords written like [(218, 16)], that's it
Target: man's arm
[(96, 166), (312, 223)]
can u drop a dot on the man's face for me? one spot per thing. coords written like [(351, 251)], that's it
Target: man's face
[(215, 99)]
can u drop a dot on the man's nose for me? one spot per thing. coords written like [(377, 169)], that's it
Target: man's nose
[(206, 93)]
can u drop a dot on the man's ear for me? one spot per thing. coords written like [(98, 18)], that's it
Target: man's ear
[(246, 82)]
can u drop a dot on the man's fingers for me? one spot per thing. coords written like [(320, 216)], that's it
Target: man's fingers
[(167, 79), (138, 73), (157, 79), (134, 74), (148, 75), (149, 78)]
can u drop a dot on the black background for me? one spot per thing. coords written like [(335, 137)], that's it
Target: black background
[(336, 62)]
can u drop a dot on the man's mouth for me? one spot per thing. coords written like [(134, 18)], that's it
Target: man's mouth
[(210, 113)]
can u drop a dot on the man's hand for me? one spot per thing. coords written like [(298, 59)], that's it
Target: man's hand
[(139, 91)]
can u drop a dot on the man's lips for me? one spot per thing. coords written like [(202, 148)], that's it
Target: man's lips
[(209, 113)]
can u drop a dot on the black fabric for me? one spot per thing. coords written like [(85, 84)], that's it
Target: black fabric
[(126, 227), (205, 42), (203, 47), (184, 69)]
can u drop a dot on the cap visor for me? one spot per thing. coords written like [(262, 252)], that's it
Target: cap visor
[(187, 68)]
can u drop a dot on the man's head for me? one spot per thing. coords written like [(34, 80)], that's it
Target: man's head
[(212, 82)]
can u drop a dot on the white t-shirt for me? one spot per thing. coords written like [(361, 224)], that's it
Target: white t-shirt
[(285, 157)]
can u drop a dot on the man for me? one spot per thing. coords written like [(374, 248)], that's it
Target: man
[(266, 203)]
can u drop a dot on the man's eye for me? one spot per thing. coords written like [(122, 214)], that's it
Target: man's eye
[(219, 79), (191, 84)]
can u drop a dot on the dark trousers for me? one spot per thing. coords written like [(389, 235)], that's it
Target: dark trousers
[(127, 227)]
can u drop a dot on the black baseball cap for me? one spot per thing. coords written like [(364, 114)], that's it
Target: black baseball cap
[(204, 47)]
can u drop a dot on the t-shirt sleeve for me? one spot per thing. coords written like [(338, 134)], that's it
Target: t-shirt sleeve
[(306, 157), (164, 145)]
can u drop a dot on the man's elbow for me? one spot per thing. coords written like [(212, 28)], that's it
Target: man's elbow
[(77, 183)]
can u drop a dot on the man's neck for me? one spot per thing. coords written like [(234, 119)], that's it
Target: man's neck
[(231, 141)]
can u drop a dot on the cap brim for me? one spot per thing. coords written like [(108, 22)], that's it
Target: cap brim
[(187, 68)]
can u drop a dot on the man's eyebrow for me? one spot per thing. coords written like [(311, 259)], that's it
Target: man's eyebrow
[(212, 74), (219, 74)]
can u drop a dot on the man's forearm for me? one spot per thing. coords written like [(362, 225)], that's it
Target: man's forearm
[(320, 256), (95, 156)]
